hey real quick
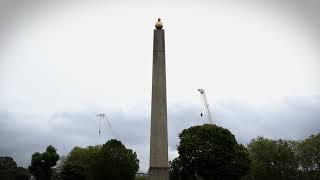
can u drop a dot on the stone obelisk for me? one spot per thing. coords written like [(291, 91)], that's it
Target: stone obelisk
[(159, 167)]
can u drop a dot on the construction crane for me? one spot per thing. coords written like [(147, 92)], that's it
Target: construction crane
[(103, 118), (206, 106)]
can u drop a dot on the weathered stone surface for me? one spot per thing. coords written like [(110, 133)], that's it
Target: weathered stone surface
[(157, 173), (159, 168)]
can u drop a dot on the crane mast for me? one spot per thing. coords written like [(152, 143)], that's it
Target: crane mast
[(206, 105)]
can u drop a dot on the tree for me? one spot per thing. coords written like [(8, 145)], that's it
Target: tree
[(210, 152), (114, 161), (273, 159), (176, 169), (109, 161), (7, 168), (41, 163), (7, 163), (84, 157), (241, 163), (309, 155), (22, 174), (73, 171)]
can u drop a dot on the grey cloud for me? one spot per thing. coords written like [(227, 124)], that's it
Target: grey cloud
[(22, 134), (305, 13), (11, 10), (297, 119), (65, 130)]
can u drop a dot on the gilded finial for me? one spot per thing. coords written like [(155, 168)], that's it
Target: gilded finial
[(159, 24)]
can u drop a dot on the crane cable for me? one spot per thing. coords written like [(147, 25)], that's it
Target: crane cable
[(206, 106), (115, 134), (100, 116), (108, 124), (203, 107)]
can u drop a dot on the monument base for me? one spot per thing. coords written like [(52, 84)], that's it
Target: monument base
[(158, 173)]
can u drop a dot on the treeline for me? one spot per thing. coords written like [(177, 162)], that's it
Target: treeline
[(206, 152), (111, 160), (284, 159), (10, 171), (211, 152)]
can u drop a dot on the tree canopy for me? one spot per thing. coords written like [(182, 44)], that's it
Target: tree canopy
[(309, 155), (7, 168), (73, 171), (22, 174), (7, 163), (273, 158), (109, 161), (210, 152), (41, 163), (285, 159)]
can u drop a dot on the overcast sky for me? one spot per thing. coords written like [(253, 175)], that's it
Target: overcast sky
[(62, 63)]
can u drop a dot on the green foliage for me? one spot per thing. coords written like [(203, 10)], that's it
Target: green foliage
[(73, 171), (273, 159), (284, 159), (241, 163), (209, 152), (109, 161), (309, 155), (141, 178), (7, 168), (22, 174), (176, 169), (84, 157), (41, 163), (7, 163), (114, 161)]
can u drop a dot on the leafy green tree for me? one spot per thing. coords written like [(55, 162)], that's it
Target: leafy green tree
[(84, 157), (309, 156), (241, 163), (176, 169), (109, 161), (209, 152), (7, 168), (41, 163), (73, 171), (36, 165), (22, 174), (114, 161), (7, 163), (273, 159)]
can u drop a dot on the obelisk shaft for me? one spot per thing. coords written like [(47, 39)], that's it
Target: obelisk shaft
[(159, 168)]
